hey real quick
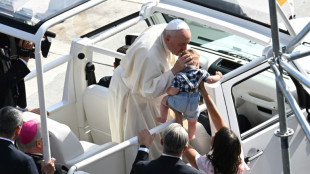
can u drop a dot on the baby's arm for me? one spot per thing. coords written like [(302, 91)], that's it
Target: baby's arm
[(212, 79), (172, 91)]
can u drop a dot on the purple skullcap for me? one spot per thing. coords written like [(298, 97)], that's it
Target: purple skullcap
[(28, 132)]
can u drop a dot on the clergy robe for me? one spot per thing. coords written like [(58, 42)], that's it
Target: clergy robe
[(137, 87)]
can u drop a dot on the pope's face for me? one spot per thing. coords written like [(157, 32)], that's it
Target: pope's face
[(178, 42)]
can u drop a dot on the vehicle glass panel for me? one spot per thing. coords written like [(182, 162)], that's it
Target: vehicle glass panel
[(255, 101), (248, 9), (31, 12), (221, 41)]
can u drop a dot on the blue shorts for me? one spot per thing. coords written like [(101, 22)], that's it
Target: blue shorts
[(185, 102)]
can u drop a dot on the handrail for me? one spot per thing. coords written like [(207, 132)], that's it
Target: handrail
[(49, 66), (296, 74), (39, 69), (286, 21), (132, 141), (293, 43), (280, 99), (292, 102), (296, 55), (66, 58), (105, 51)]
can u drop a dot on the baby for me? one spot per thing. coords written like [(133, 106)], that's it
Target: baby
[(183, 95)]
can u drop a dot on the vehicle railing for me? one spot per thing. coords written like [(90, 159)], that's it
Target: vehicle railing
[(121, 146), (296, 74), (277, 64), (131, 142), (292, 102), (290, 47), (39, 68), (64, 59), (296, 55), (49, 66), (286, 21), (105, 51)]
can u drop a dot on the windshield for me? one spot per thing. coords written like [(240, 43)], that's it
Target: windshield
[(31, 12), (224, 42), (253, 10), (221, 41)]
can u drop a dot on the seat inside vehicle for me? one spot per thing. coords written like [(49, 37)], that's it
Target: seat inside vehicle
[(65, 146), (95, 102)]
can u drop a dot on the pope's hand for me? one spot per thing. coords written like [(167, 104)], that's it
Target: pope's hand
[(181, 63)]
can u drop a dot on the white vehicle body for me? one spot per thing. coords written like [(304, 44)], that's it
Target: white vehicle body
[(240, 48)]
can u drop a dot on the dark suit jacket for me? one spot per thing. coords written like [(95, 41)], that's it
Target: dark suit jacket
[(105, 81), (161, 165), (12, 88), (60, 169), (14, 161)]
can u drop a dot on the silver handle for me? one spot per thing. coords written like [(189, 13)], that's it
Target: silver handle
[(249, 159)]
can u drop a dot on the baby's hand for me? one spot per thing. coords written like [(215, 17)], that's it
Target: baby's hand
[(219, 74)]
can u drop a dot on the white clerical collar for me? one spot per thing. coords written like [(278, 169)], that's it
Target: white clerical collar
[(171, 156), (7, 139), (40, 154)]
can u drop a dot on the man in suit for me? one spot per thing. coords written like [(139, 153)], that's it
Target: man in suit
[(30, 140), (175, 141), (14, 56), (12, 160)]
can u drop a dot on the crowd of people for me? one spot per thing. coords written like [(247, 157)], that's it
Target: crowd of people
[(137, 103), (14, 56)]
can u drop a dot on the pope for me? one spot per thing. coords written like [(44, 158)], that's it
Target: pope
[(140, 82)]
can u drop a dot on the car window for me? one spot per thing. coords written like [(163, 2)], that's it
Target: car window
[(31, 12), (255, 101), (221, 41), (248, 9)]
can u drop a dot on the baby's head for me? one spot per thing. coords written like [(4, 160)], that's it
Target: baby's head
[(194, 55)]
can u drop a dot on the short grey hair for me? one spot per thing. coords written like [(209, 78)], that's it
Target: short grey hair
[(10, 119), (175, 139)]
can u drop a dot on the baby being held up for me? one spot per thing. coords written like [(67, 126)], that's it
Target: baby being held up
[(183, 95)]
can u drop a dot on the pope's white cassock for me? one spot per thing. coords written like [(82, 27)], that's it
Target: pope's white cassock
[(137, 87)]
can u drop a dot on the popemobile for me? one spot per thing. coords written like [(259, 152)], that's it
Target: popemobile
[(264, 95)]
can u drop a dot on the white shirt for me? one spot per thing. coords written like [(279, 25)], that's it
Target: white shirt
[(7, 139), (171, 156), (23, 61)]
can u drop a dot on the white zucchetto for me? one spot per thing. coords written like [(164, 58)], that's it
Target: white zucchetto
[(177, 24)]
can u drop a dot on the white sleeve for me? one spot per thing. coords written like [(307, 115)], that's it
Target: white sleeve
[(164, 82)]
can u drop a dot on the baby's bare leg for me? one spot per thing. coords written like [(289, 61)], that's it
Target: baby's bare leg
[(192, 126), (163, 111)]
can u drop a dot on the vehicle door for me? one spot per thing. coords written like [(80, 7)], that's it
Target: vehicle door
[(251, 98)]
